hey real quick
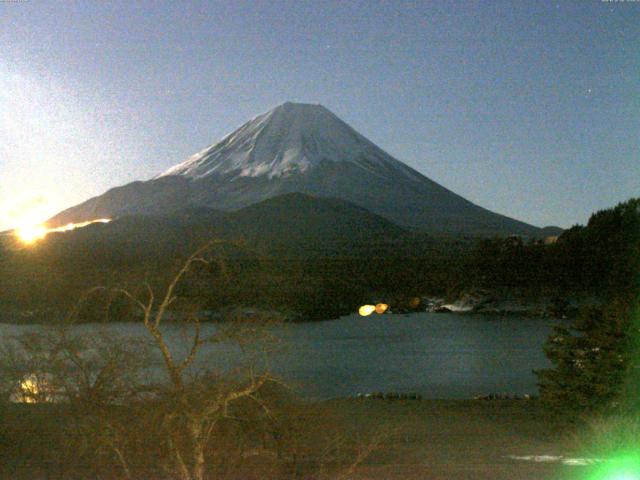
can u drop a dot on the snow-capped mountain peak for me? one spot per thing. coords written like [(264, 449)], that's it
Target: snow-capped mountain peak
[(289, 139), (303, 148)]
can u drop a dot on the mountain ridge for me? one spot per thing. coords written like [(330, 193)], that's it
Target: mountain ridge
[(301, 148), (294, 221)]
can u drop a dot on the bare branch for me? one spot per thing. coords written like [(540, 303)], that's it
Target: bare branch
[(197, 343), (172, 369), (169, 297), (182, 466), (250, 389), (150, 297), (364, 450), (126, 293), (123, 462), (73, 313)]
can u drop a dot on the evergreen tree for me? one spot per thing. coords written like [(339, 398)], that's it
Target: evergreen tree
[(590, 359), (594, 359)]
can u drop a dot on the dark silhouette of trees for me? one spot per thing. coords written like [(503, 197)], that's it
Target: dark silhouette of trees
[(595, 359)]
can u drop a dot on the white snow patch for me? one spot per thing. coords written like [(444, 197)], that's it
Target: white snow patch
[(458, 307), (537, 458), (290, 139)]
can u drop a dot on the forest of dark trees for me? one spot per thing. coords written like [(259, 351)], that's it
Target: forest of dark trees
[(312, 282)]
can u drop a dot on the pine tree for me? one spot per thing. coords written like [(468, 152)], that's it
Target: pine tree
[(590, 359), (594, 358)]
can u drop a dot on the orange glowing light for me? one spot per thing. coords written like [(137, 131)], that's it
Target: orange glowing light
[(34, 388), (381, 307), (366, 310), (73, 226), (32, 233)]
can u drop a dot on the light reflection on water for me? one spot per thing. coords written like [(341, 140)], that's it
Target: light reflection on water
[(436, 355)]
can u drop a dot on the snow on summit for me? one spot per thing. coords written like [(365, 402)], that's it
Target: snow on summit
[(288, 139), (302, 148)]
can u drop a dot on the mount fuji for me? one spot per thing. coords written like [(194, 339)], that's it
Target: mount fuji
[(301, 148)]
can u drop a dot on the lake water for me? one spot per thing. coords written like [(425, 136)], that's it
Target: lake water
[(436, 355)]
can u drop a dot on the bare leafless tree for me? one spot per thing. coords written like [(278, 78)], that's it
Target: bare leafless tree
[(187, 425), (192, 406)]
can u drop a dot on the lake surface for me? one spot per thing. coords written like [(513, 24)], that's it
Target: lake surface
[(436, 355)]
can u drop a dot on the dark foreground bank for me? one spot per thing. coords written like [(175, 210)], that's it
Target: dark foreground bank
[(375, 439)]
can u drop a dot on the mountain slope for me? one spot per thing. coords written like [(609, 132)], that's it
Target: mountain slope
[(300, 218), (299, 148), (294, 221)]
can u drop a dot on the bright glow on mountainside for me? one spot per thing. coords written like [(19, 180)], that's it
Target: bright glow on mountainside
[(32, 233)]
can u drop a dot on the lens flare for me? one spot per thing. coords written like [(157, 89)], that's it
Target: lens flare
[(622, 467)]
